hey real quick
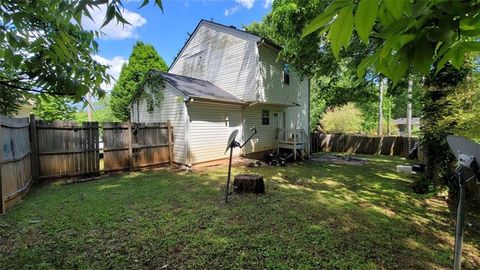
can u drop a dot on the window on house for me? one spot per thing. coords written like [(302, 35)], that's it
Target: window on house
[(286, 74), (265, 117)]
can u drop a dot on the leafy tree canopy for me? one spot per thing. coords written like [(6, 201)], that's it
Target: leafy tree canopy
[(417, 34), (10, 101), (44, 48), (345, 119), (51, 108), (144, 57)]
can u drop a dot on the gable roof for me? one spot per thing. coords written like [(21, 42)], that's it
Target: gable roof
[(198, 89), (260, 41)]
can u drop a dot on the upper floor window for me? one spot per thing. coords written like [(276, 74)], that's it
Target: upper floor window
[(286, 74)]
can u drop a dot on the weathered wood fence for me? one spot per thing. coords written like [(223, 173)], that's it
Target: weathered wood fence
[(15, 160), (67, 149), (360, 144), (135, 146), (33, 150)]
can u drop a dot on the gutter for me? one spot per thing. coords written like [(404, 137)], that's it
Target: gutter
[(207, 100), (257, 102)]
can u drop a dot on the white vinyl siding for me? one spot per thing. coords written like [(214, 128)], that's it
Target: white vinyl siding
[(265, 138), (271, 87), (209, 132), (171, 108), (298, 117), (223, 56)]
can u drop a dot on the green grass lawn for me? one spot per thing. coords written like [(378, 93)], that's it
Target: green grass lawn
[(314, 216)]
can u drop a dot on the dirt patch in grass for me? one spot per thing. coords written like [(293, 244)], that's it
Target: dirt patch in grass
[(315, 215)]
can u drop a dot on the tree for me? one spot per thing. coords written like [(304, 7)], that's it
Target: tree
[(144, 57), (43, 47), (345, 119), (428, 37), (418, 34), (51, 108), (10, 101)]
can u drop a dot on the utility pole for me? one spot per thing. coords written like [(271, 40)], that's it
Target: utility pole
[(380, 107), (89, 107), (409, 108), (409, 113)]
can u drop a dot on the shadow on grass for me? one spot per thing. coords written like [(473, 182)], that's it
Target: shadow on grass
[(314, 215)]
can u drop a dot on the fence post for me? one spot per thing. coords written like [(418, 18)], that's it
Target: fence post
[(2, 202), (34, 149), (170, 148), (130, 150)]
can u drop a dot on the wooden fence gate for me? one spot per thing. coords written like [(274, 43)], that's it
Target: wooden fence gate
[(67, 149), (15, 160), (132, 146)]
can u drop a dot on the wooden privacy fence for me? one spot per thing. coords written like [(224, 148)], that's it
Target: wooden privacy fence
[(33, 150), (360, 144), (128, 146), (67, 149), (15, 160)]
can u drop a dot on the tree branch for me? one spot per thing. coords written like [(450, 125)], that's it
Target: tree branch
[(18, 87)]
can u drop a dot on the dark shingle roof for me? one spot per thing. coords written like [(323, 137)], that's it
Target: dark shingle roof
[(196, 88)]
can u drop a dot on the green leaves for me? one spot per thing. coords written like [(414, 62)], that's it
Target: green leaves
[(110, 14), (367, 62), (423, 56), (45, 48), (365, 17), (324, 18), (341, 30), (411, 34), (456, 54), (395, 7)]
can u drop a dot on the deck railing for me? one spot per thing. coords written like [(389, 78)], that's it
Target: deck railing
[(293, 139)]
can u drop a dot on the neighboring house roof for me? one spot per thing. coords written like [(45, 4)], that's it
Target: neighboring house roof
[(261, 41), (403, 121), (198, 89)]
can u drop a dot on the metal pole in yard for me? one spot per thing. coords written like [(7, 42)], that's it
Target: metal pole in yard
[(457, 265), (229, 173), (2, 202)]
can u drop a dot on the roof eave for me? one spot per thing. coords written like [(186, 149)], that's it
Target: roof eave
[(223, 101), (269, 43)]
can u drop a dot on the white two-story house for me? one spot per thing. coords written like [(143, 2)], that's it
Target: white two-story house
[(225, 79)]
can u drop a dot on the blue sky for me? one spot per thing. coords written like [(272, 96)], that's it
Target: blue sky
[(167, 31)]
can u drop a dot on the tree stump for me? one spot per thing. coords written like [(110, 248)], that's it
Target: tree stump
[(251, 183)]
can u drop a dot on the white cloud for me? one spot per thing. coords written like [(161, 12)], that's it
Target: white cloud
[(267, 3), (231, 10), (114, 30), (115, 64), (246, 3)]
